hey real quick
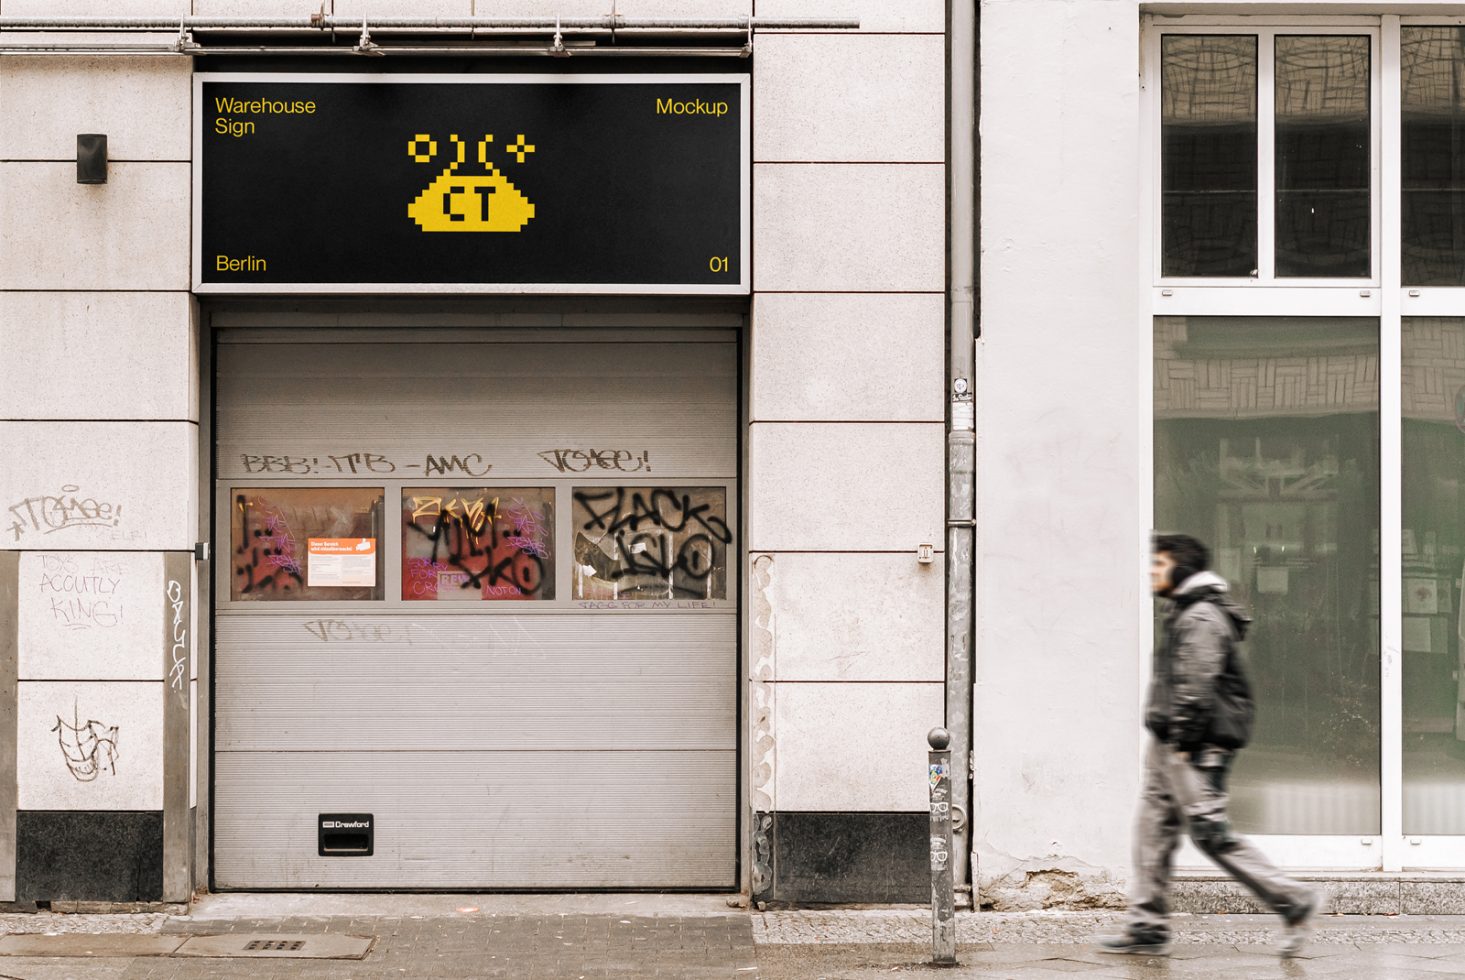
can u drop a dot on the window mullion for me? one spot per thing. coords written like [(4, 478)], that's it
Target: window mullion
[(1266, 150), (1391, 516)]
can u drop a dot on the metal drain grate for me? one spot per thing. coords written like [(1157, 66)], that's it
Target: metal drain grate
[(281, 945)]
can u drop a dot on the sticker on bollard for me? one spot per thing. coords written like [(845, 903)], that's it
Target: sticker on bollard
[(939, 854), (943, 897)]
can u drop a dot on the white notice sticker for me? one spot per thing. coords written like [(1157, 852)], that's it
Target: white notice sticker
[(341, 561)]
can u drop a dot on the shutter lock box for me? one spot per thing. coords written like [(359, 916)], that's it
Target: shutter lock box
[(345, 835)]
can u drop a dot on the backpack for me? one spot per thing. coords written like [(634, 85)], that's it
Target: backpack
[(1235, 710)]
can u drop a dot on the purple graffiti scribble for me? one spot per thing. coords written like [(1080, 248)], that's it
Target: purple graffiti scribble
[(502, 590), (422, 575), (529, 531)]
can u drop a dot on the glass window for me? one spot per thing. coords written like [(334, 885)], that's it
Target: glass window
[(470, 544), (1267, 448), (1432, 134), (320, 543), (1208, 167), (1322, 156), (1433, 550), (651, 542)]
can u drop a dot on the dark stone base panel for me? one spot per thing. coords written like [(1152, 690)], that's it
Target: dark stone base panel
[(96, 856), (849, 857)]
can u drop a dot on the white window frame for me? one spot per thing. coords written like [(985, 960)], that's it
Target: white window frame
[(1266, 295), (1427, 300), (1322, 852), (1266, 224)]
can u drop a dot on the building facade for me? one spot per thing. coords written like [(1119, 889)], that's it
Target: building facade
[(677, 485), (515, 472), (1246, 216)]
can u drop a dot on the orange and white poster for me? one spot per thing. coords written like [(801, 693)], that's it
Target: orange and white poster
[(341, 561)]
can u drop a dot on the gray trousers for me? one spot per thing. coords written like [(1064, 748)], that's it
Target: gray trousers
[(1191, 797)]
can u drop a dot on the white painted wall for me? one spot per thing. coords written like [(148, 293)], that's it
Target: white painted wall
[(1061, 543), (98, 485), (90, 614), (846, 450), (99, 409), (141, 103), (135, 351), (61, 768)]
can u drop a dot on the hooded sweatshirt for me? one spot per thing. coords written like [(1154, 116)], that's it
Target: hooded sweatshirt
[(1197, 688)]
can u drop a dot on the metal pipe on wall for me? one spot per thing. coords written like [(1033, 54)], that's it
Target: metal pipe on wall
[(961, 423), (331, 22), (456, 51)]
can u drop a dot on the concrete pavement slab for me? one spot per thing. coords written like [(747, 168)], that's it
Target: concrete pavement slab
[(1066, 965), (73, 969), (87, 944)]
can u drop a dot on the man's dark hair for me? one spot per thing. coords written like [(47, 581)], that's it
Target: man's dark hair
[(1189, 554)]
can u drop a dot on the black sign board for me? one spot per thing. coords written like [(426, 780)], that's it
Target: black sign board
[(401, 183), (345, 835)]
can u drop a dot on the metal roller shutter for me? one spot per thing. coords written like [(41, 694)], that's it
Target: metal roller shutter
[(569, 719)]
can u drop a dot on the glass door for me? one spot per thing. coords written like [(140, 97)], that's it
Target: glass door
[(1432, 556), (1266, 447)]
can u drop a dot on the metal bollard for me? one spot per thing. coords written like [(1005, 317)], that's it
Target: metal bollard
[(943, 897)]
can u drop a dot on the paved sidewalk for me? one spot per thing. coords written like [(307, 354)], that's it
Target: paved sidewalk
[(1050, 962), (424, 937), (866, 944), (631, 937)]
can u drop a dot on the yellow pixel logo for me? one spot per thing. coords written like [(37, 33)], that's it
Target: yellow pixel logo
[(462, 202)]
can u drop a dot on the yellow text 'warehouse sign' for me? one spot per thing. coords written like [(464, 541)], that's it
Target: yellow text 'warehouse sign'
[(503, 183)]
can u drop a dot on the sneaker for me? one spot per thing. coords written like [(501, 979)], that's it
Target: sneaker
[(1299, 925), (1136, 943)]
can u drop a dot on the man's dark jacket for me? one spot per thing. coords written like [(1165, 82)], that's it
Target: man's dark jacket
[(1198, 689)]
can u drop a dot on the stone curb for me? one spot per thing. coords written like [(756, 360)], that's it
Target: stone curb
[(94, 923), (913, 927)]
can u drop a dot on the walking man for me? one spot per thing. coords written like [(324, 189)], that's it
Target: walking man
[(1199, 713)]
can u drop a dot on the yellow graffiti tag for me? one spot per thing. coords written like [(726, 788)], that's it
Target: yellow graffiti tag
[(475, 515), (426, 507), (463, 202)]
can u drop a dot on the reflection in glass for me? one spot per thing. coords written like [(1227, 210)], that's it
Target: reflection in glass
[(1432, 84), (295, 542), (1267, 449), (1433, 551), (651, 542), (1322, 155), (1208, 158), (469, 544)]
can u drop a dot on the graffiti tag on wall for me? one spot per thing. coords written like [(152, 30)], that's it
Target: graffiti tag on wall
[(88, 749), (582, 460), (361, 463), (82, 590), (178, 652), (49, 513)]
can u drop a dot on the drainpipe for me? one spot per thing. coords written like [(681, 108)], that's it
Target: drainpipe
[(961, 422)]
